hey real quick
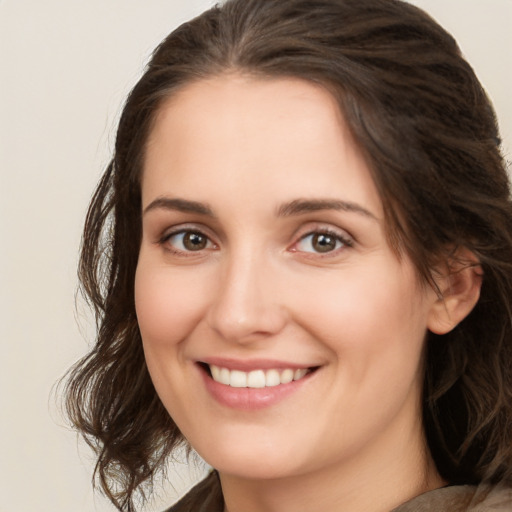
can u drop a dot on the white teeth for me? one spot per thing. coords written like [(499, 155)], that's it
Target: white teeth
[(256, 378), (215, 373), (299, 373), (238, 379), (224, 376), (286, 376), (272, 378)]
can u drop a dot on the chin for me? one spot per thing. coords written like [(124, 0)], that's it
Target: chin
[(254, 469), (256, 461)]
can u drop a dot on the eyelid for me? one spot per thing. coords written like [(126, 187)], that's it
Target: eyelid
[(342, 235), (182, 229), (170, 230), (303, 232)]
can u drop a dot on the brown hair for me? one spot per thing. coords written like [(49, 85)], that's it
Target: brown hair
[(429, 133)]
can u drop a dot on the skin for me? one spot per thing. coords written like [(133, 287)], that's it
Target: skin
[(351, 437)]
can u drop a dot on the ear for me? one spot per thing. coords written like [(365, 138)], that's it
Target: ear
[(459, 282)]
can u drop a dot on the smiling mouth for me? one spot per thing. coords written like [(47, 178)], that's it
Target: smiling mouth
[(255, 379)]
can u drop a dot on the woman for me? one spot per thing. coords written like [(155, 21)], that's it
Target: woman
[(301, 261)]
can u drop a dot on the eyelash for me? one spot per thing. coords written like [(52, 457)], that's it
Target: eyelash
[(164, 241), (342, 242)]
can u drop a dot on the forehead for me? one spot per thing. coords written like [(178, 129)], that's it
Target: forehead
[(279, 134), (237, 104), (237, 89)]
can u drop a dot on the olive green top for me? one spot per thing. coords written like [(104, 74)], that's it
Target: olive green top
[(206, 496)]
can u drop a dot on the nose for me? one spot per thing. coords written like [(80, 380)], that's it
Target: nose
[(246, 306)]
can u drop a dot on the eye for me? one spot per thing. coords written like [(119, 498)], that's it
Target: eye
[(187, 241), (321, 242)]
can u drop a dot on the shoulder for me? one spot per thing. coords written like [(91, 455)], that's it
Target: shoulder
[(206, 496), (496, 499), (462, 498)]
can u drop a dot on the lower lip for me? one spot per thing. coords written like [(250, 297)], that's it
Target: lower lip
[(250, 399)]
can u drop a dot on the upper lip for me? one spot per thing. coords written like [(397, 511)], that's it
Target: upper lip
[(247, 365)]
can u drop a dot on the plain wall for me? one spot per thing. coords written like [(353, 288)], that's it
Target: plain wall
[(66, 67)]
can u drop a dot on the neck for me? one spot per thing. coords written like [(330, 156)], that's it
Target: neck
[(378, 481)]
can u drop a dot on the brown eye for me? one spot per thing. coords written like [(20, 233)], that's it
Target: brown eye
[(193, 241), (322, 242), (187, 241)]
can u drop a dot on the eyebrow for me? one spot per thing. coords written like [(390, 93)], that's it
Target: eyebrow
[(301, 206), (181, 205), (295, 207)]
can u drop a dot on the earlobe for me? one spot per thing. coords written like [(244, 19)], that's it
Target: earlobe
[(459, 284)]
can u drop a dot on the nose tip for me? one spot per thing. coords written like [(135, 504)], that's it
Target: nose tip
[(246, 307), (241, 327)]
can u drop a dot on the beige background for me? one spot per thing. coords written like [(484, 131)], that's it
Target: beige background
[(66, 66)]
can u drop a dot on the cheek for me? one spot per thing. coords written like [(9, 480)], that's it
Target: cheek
[(376, 315), (168, 304)]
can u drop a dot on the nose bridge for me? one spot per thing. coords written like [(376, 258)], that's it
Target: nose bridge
[(246, 306)]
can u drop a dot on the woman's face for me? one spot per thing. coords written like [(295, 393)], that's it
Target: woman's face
[(264, 259)]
